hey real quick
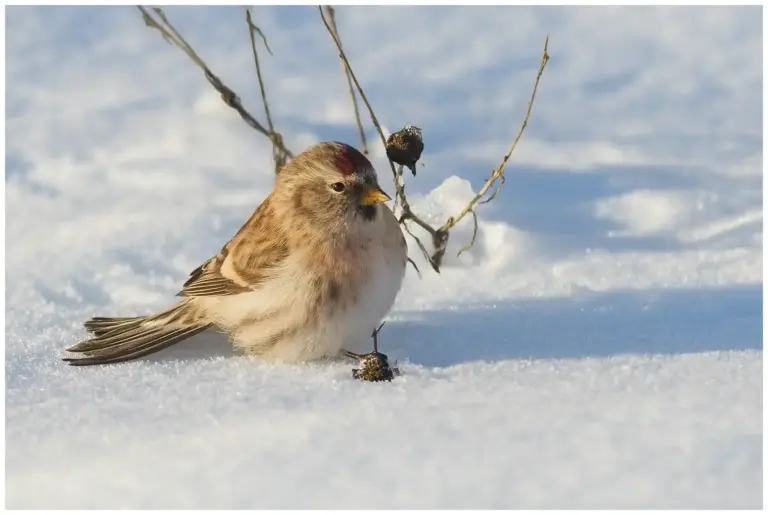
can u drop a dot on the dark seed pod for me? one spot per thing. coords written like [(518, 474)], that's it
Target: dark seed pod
[(375, 367), (405, 146)]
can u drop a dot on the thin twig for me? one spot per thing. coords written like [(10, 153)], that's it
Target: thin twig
[(439, 236), (263, 36), (474, 235), (418, 272), (251, 29), (498, 173), (399, 191), (277, 155), (495, 191), (332, 16), (172, 36), (175, 38)]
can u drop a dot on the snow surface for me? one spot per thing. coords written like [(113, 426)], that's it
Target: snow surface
[(599, 347)]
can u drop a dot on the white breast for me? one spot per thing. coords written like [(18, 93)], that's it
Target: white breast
[(353, 326), (254, 319)]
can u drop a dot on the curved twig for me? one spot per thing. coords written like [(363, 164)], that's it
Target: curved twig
[(498, 173), (332, 16), (172, 36), (407, 213), (278, 156)]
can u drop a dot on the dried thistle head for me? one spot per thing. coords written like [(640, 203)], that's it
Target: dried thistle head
[(375, 367), (405, 146)]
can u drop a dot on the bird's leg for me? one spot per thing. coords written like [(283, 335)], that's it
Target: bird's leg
[(375, 336)]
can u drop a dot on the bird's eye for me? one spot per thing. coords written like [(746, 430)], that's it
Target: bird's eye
[(338, 187)]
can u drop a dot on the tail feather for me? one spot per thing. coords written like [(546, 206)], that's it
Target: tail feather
[(102, 325), (117, 339), (148, 345), (122, 339)]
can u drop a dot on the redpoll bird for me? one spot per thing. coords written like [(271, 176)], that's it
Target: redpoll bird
[(308, 276)]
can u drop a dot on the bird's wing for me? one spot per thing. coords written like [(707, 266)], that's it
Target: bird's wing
[(246, 261)]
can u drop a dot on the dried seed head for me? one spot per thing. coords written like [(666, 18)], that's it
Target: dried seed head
[(405, 146), (375, 367)]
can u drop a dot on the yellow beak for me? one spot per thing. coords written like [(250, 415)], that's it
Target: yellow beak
[(374, 196)]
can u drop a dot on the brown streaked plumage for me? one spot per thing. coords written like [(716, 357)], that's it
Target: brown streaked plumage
[(311, 273)]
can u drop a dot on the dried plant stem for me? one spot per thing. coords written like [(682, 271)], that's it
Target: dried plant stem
[(278, 156), (440, 236), (281, 153), (399, 188), (172, 36), (332, 16), (498, 173)]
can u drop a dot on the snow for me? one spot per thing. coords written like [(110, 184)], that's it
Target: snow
[(600, 346)]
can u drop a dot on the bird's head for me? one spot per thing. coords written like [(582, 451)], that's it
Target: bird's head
[(331, 185)]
